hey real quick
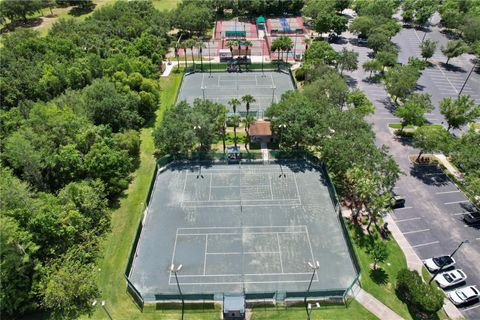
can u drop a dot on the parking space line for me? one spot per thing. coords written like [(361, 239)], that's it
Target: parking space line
[(416, 231), (457, 214), (425, 244), (472, 225), (404, 208), (471, 308), (454, 202), (445, 192), (434, 174), (410, 219)]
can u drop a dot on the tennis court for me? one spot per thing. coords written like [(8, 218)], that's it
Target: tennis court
[(221, 87), (235, 29), (297, 51), (283, 25), (248, 228)]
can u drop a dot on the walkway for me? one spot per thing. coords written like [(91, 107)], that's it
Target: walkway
[(168, 69), (376, 307), (264, 148)]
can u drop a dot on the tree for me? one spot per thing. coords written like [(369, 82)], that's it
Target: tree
[(194, 18), (420, 296), (362, 25), (175, 136), (287, 45), (277, 45), (454, 49), (249, 119), (377, 41), (428, 48), (14, 10), (431, 139), (347, 60), (360, 102), (327, 21), (459, 112), (184, 45), (401, 81), (471, 28), (248, 98), (379, 253), (412, 112), (235, 121), (208, 117), (387, 58), (321, 51), (191, 43), (372, 66)]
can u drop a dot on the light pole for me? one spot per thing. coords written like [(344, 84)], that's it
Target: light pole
[(273, 93), (314, 266), (468, 77), (175, 270), (104, 307), (451, 255), (280, 130)]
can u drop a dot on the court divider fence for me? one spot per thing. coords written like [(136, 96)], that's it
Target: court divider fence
[(272, 300), (252, 66)]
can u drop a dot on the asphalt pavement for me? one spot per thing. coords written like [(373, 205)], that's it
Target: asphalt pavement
[(431, 219)]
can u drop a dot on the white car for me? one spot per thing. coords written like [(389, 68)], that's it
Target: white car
[(450, 278), (464, 295), (434, 264)]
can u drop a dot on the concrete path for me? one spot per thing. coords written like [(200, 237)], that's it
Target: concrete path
[(264, 148), (168, 69), (444, 161), (376, 307)]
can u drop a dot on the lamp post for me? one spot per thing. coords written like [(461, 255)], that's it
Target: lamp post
[(314, 266), (281, 127), (451, 255), (104, 307), (175, 270), (468, 77), (273, 93)]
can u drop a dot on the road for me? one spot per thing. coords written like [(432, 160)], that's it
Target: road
[(431, 219)]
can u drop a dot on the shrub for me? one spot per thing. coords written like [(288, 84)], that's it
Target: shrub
[(420, 296)]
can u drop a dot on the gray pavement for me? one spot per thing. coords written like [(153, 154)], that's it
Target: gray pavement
[(430, 220)]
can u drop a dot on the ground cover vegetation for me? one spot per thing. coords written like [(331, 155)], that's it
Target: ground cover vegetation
[(72, 103)]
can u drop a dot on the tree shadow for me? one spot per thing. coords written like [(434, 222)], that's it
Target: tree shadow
[(453, 68), (30, 23), (80, 11), (429, 174), (351, 82), (379, 276)]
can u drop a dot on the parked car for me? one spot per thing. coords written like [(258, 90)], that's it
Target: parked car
[(450, 278), (464, 295), (434, 264), (472, 217), (397, 201)]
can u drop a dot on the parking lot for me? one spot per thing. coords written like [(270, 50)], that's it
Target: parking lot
[(432, 217), (432, 223)]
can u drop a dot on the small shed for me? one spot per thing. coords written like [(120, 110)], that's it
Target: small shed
[(234, 307), (260, 23), (260, 131)]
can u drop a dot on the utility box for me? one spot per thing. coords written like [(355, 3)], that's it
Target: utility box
[(234, 307)]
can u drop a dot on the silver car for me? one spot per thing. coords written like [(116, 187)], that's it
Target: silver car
[(464, 295)]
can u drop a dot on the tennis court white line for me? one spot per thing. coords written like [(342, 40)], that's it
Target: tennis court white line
[(173, 254), (298, 192), (416, 231), (280, 252), (410, 219), (239, 282), (434, 174), (210, 189), (311, 250), (240, 275), (248, 252), (459, 213), (425, 244), (229, 233), (454, 202), (243, 204), (244, 227), (445, 192), (271, 189), (251, 187), (205, 255), (203, 201)]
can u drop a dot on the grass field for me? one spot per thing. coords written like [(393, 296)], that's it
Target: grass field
[(165, 4)]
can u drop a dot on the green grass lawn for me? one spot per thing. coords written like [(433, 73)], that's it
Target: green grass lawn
[(354, 311), (399, 126), (381, 283), (165, 4)]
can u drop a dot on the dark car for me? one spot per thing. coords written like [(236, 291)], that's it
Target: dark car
[(472, 217), (397, 201)]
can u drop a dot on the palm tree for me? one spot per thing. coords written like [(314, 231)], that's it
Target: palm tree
[(184, 46), (235, 119), (248, 99), (249, 119), (287, 45), (231, 44), (200, 46), (190, 43), (307, 42), (276, 46), (247, 44), (234, 103)]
